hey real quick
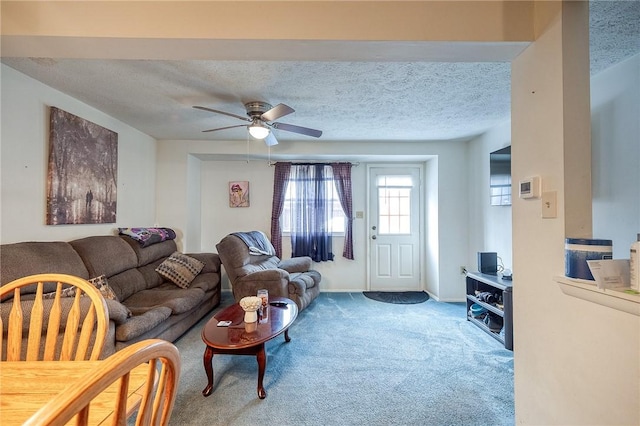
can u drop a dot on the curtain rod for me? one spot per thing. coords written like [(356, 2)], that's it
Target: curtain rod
[(311, 163)]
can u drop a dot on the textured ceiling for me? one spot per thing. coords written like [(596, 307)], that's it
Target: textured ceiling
[(356, 100)]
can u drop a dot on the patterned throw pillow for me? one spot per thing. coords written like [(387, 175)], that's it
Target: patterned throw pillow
[(66, 292), (180, 269), (98, 282), (102, 284)]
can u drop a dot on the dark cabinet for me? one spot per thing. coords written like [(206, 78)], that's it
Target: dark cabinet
[(495, 295)]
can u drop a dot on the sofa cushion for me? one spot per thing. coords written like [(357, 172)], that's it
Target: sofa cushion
[(179, 300), (152, 253), (206, 281), (29, 258), (234, 254), (140, 324), (127, 283), (105, 254), (151, 277), (267, 263), (211, 261), (180, 269)]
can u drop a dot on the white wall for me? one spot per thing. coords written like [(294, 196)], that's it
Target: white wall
[(24, 150), (576, 362), (432, 227), (452, 224), (489, 226), (615, 138)]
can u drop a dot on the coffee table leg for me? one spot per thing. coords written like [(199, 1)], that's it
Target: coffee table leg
[(261, 356), (208, 368), (286, 336)]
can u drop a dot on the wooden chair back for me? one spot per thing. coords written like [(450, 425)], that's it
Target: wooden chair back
[(157, 396), (69, 325)]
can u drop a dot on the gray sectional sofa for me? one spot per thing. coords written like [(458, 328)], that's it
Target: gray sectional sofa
[(147, 305)]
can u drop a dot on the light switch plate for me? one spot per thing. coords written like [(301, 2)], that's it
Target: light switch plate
[(549, 205)]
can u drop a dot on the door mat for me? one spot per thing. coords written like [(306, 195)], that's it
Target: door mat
[(398, 297)]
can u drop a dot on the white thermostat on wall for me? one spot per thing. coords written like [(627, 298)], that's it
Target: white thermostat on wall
[(530, 187)]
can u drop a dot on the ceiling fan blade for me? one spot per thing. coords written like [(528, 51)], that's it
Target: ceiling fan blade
[(276, 112), (297, 129), (224, 128), (271, 140), (222, 112)]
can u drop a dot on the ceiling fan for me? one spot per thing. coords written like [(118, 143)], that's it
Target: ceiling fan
[(261, 116)]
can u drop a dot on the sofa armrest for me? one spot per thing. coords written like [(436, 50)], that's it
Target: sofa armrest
[(211, 261), (296, 264), (118, 313), (297, 287), (274, 280)]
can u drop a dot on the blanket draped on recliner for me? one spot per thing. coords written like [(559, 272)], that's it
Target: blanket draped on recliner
[(257, 242)]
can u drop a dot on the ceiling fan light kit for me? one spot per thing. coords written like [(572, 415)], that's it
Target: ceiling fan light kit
[(258, 130), (261, 116)]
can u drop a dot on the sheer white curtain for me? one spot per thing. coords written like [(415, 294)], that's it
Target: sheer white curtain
[(312, 212)]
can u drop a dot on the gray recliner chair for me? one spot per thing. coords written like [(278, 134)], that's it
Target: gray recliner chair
[(251, 264)]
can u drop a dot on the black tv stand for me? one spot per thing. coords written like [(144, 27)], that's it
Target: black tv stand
[(477, 282)]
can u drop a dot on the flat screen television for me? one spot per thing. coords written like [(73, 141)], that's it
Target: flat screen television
[(500, 177)]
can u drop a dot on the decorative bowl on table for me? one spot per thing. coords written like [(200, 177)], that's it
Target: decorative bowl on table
[(250, 305)]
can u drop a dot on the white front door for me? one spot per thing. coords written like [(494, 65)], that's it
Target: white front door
[(394, 228)]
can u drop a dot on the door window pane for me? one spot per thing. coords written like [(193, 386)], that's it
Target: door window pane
[(394, 204)]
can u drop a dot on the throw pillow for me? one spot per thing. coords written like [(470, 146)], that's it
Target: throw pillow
[(180, 269), (66, 292), (102, 284), (98, 282)]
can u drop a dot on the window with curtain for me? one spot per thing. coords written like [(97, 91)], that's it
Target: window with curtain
[(336, 220), (312, 202)]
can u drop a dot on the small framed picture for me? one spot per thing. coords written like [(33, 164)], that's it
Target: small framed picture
[(239, 194)]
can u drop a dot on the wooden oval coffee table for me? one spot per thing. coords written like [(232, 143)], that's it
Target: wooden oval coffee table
[(246, 339)]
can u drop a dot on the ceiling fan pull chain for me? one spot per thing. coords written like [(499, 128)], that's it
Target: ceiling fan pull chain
[(247, 145)]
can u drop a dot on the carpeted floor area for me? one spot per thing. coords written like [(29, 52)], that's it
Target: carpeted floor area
[(354, 361)]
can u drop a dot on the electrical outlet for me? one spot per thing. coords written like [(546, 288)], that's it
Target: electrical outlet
[(463, 270)]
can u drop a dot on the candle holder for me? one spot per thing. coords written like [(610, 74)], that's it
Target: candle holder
[(250, 305)]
